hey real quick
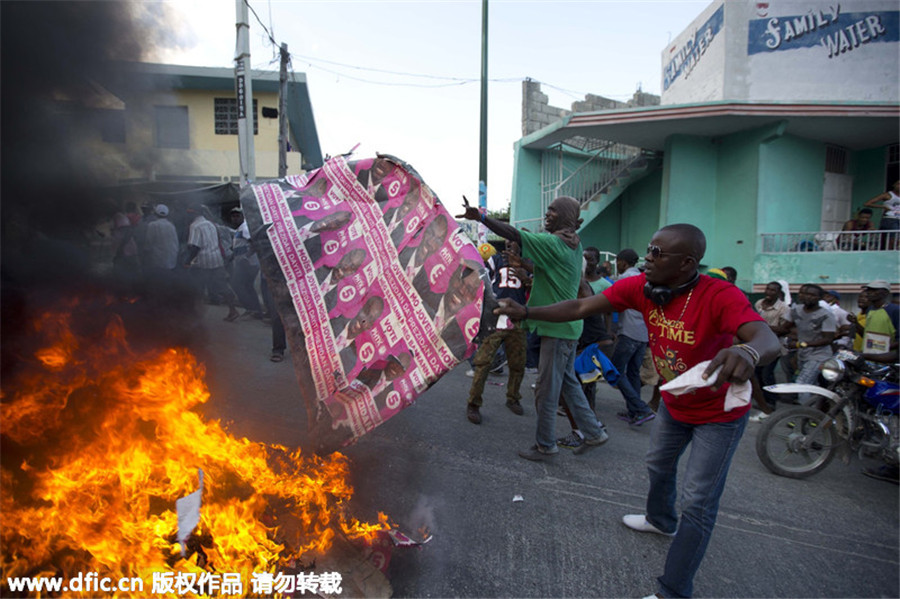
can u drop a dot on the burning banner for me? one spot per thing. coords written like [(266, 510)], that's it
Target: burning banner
[(379, 290)]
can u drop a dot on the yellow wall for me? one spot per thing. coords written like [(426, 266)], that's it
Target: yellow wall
[(210, 155)]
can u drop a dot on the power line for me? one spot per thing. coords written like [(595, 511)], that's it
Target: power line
[(309, 59), (374, 70), (261, 24), (449, 81)]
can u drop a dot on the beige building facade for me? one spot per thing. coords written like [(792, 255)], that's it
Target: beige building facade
[(176, 123)]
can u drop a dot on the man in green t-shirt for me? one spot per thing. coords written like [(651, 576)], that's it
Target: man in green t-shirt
[(882, 324), (557, 257)]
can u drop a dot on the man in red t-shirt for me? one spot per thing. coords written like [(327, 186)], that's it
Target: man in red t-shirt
[(691, 318)]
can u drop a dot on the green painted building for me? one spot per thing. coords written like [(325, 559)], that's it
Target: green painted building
[(770, 180)]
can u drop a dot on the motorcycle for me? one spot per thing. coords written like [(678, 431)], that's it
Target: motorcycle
[(857, 409)]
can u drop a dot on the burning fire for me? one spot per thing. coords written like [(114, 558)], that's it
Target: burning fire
[(98, 443)]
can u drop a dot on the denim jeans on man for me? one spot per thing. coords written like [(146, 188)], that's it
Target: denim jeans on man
[(556, 373), (627, 357), (809, 375), (712, 447)]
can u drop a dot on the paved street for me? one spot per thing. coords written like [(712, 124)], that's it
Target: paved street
[(833, 535)]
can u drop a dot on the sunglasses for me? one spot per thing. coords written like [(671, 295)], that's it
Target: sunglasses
[(654, 251)]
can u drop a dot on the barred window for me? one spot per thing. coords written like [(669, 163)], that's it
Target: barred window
[(836, 160), (226, 110)]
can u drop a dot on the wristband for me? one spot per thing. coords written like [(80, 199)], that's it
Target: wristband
[(526, 313), (754, 355)]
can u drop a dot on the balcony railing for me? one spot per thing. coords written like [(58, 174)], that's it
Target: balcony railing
[(830, 241)]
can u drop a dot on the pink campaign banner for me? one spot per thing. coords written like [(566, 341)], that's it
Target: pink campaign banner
[(379, 290)]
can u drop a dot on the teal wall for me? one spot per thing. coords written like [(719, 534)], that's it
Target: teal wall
[(641, 220), (791, 184), (630, 220), (869, 171), (605, 231), (525, 202), (827, 268), (689, 182), (732, 241)]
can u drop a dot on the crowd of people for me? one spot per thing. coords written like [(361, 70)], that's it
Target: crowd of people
[(667, 318), (573, 319), (215, 260)]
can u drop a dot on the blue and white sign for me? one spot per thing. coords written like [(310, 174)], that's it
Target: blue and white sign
[(690, 53), (835, 32)]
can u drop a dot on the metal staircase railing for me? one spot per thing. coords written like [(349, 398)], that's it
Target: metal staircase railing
[(584, 171), (609, 163)]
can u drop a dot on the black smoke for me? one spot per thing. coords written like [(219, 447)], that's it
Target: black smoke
[(56, 65)]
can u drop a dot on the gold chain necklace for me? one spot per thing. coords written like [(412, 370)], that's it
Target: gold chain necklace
[(684, 308)]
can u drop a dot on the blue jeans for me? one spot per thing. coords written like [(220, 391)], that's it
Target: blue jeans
[(243, 276), (627, 357), (713, 446), (809, 375), (556, 374)]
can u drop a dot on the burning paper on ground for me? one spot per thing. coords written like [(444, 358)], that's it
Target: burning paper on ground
[(101, 442), (402, 540), (188, 510), (379, 290)]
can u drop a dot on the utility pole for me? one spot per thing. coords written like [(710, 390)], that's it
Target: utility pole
[(243, 83), (482, 161), (282, 114)]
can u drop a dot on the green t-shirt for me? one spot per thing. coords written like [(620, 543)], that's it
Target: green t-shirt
[(599, 285), (880, 330), (557, 275)]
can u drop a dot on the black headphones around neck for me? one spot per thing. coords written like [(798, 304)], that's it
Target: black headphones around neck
[(662, 295)]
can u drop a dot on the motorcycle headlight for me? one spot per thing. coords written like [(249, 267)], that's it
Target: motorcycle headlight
[(833, 370)]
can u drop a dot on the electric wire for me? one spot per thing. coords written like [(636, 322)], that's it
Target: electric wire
[(449, 81)]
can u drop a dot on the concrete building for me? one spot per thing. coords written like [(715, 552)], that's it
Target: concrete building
[(537, 112), (777, 122), (169, 123)]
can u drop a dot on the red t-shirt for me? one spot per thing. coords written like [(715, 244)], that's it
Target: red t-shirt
[(692, 328)]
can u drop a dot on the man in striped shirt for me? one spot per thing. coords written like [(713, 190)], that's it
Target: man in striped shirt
[(205, 260)]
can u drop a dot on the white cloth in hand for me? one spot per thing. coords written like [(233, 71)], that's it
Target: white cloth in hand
[(738, 394)]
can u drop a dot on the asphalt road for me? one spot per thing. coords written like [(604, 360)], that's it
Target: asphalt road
[(832, 535)]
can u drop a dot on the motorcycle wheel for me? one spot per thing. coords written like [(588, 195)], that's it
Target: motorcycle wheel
[(779, 443)]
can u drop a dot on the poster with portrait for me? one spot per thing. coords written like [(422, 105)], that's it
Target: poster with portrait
[(379, 290)]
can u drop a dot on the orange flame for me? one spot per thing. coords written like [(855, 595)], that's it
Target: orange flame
[(99, 444)]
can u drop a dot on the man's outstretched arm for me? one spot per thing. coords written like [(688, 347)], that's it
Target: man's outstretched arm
[(504, 230), (576, 309)]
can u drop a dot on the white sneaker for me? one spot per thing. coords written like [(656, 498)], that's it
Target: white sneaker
[(639, 523), (470, 373), (759, 417)]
